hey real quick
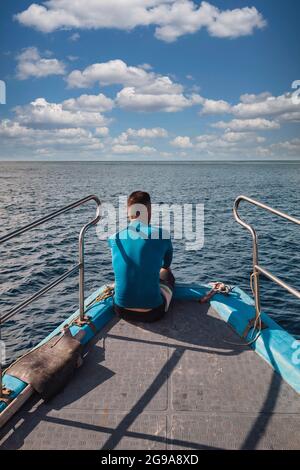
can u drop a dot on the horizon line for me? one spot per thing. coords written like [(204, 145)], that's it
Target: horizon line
[(185, 162)]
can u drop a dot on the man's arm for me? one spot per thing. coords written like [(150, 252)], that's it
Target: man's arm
[(168, 255)]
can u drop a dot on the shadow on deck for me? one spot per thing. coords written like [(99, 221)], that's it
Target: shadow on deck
[(177, 384)]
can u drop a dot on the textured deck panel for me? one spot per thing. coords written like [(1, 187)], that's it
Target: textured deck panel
[(175, 384)]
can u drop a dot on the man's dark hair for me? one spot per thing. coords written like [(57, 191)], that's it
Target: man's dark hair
[(139, 197)]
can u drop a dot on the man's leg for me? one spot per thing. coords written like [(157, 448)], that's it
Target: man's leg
[(167, 282)]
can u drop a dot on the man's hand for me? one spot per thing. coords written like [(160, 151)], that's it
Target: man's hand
[(165, 269)]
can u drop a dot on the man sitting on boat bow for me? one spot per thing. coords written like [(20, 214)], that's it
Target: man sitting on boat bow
[(141, 259)]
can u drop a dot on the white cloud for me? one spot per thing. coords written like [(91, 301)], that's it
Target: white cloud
[(290, 117), (256, 124), (263, 151), (44, 139), (280, 150), (144, 133), (215, 106), (74, 37), (131, 99), (132, 149), (146, 66), (227, 144), (122, 139), (44, 152), (172, 18), (117, 72), (183, 17), (40, 113), (31, 64), (205, 137), (267, 106), (235, 136), (11, 129), (291, 146), (143, 90), (236, 23), (242, 137), (251, 107), (215, 144), (182, 142), (102, 131), (249, 98), (150, 133), (72, 58), (48, 129), (100, 103)]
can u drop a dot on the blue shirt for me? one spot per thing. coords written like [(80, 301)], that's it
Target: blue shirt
[(138, 254)]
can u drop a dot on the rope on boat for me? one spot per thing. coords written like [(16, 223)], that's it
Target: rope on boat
[(217, 288), (225, 289), (107, 292), (257, 323)]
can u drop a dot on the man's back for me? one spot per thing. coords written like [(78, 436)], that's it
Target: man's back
[(138, 254)]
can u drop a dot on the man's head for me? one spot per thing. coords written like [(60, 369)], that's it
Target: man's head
[(139, 206)]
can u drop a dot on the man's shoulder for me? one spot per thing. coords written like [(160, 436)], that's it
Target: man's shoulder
[(159, 233)]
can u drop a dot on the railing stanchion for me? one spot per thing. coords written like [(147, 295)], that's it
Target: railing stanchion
[(1, 358), (81, 275), (256, 286), (81, 260)]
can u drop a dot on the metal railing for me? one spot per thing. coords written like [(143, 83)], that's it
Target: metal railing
[(257, 269), (56, 282)]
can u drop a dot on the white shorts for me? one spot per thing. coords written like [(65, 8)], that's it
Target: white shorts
[(167, 293)]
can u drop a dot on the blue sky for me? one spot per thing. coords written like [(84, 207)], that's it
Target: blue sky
[(150, 80)]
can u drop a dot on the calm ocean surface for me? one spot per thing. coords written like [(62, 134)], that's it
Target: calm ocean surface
[(27, 263)]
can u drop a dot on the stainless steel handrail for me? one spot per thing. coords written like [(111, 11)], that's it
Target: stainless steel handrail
[(257, 269), (60, 279)]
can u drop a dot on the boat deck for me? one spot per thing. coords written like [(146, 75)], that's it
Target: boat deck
[(175, 384)]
